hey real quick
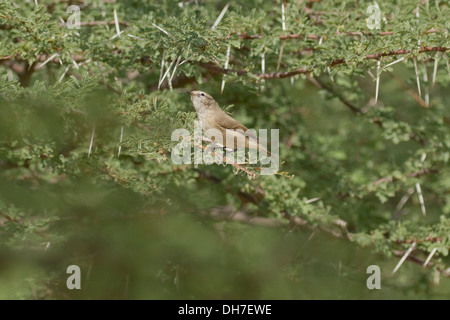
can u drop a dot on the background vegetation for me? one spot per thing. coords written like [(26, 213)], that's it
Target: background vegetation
[(86, 117)]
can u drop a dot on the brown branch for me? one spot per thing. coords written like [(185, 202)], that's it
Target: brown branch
[(426, 239), (99, 23), (287, 74), (237, 166), (246, 36), (411, 175), (11, 219), (322, 85), (391, 179), (110, 173), (227, 213)]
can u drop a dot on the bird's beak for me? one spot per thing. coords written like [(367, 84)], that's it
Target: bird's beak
[(189, 92)]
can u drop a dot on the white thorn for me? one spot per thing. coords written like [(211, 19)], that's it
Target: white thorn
[(394, 62), (283, 18), (312, 200), (10, 74), (92, 142), (422, 203), (423, 157), (283, 43), (120, 143), (131, 36), (329, 73), (47, 61), (75, 64), (163, 60), (64, 73), (403, 201), (226, 67), (417, 77), (165, 74), (187, 59), (219, 18), (173, 73), (425, 79), (407, 253), (162, 30), (84, 62), (114, 36), (429, 257), (378, 80), (263, 69), (116, 21), (433, 81)]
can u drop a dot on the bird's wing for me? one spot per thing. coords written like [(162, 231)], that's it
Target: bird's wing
[(228, 122)]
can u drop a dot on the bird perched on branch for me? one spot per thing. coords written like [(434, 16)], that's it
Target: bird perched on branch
[(234, 133)]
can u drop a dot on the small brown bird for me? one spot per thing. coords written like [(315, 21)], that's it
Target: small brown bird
[(212, 116)]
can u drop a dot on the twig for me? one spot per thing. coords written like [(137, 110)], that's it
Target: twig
[(98, 23), (322, 85), (246, 36), (287, 74), (411, 175), (237, 166), (412, 92), (9, 218)]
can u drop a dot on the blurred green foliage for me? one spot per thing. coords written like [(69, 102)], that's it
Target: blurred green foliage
[(141, 227)]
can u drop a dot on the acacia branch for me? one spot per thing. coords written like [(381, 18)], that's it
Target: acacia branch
[(287, 74), (416, 174), (246, 36), (14, 220), (99, 23), (392, 179)]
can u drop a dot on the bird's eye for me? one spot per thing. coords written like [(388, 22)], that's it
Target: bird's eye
[(202, 94)]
